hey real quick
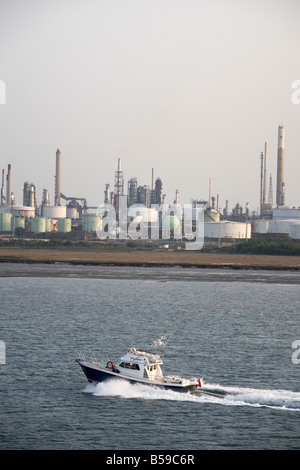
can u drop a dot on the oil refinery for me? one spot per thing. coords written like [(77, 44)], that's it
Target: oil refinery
[(70, 213)]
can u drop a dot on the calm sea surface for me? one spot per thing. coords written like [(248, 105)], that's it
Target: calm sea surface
[(234, 329)]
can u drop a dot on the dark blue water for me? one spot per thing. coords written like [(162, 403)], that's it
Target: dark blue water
[(233, 329)]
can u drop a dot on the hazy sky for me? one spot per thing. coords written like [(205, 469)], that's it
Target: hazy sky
[(191, 88)]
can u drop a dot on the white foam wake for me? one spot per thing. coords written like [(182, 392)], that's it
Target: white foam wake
[(230, 396)]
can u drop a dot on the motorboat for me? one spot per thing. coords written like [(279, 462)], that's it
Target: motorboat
[(138, 366)]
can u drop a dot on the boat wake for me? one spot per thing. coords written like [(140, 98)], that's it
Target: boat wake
[(209, 393)]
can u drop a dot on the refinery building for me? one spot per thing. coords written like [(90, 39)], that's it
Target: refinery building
[(73, 213)]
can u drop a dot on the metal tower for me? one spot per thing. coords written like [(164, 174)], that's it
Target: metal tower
[(270, 196)]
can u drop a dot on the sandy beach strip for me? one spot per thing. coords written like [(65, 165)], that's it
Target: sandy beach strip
[(149, 258)]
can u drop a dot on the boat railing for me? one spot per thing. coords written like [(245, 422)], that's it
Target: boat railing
[(92, 360), (152, 357), (81, 356)]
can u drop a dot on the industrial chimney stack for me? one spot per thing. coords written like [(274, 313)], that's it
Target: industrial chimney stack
[(57, 178), (2, 189), (280, 168), (8, 187)]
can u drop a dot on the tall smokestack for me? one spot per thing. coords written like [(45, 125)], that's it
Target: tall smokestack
[(107, 194), (8, 187), (57, 178), (280, 168), (45, 201), (2, 189)]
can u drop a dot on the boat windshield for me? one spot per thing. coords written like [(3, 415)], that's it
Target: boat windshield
[(129, 365)]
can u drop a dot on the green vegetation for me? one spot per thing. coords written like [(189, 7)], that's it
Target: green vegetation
[(282, 245), (79, 240), (275, 244)]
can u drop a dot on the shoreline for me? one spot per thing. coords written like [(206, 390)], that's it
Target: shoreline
[(149, 259)]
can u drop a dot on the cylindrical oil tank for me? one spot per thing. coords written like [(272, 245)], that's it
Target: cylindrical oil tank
[(211, 215), (48, 224), (5, 222), (18, 222), (38, 225), (72, 213), (24, 211), (280, 226), (90, 222), (286, 213), (294, 231), (227, 229), (170, 222), (54, 212), (260, 225), (64, 225)]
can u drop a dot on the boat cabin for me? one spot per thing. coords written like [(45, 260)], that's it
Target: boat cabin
[(141, 364)]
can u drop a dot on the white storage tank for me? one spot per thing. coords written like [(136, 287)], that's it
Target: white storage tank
[(54, 212), (72, 213), (295, 230), (286, 213), (22, 211), (260, 225), (280, 225), (227, 229)]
